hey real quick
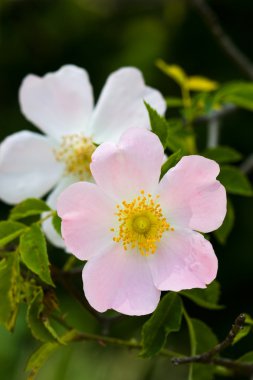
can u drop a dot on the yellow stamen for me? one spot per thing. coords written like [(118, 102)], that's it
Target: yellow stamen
[(75, 152), (141, 224)]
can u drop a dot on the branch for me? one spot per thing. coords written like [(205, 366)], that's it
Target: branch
[(216, 115), (209, 356), (108, 340), (225, 42)]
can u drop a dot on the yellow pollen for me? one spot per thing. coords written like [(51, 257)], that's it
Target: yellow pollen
[(141, 224), (75, 152)]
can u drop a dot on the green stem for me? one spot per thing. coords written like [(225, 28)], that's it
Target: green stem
[(131, 344)]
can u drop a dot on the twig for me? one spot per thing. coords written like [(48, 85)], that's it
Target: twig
[(225, 42), (104, 340), (226, 110), (247, 165), (209, 356), (213, 129)]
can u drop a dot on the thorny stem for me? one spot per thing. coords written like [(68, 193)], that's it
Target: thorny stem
[(209, 356), (225, 42)]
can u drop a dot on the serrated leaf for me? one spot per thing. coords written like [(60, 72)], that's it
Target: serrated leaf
[(41, 355), (238, 93), (199, 83), (56, 221), (235, 181), (33, 252), (175, 72), (242, 334), (29, 207), (9, 290), (202, 339), (222, 154), (171, 161), (9, 231), (39, 324), (159, 124), (223, 232), (166, 319), (207, 298)]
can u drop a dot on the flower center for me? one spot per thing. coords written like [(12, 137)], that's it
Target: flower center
[(75, 152), (141, 224)]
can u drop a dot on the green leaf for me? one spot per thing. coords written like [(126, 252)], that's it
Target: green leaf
[(238, 93), (158, 123), (247, 358), (175, 72), (174, 102), (198, 83), (166, 319), (235, 181), (56, 221), (222, 154), (172, 160), (223, 232), (242, 334), (248, 320), (28, 207), (9, 290), (34, 253), (207, 298), (202, 339), (10, 231), (42, 354), (37, 321), (179, 138)]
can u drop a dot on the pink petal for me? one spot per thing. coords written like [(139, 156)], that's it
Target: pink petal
[(121, 281), (59, 103), (48, 227), (87, 216), (133, 164), (192, 196), (28, 167), (184, 260), (121, 105)]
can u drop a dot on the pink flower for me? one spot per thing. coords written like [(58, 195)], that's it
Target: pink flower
[(138, 235)]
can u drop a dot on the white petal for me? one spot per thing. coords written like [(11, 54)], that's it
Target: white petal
[(59, 103), (27, 167), (121, 105), (48, 227)]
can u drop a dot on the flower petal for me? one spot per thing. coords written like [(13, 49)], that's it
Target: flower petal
[(121, 105), (87, 216), (27, 167), (192, 196), (48, 227), (121, 281), (59, 103), (133, 164), (184, 260)]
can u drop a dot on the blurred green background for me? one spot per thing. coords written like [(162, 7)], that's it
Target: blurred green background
[(39, 36)]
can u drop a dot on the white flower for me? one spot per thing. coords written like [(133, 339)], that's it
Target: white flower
[(60, 104)]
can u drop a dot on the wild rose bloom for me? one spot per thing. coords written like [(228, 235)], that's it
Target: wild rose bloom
[(138, 235), (60, 104)]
